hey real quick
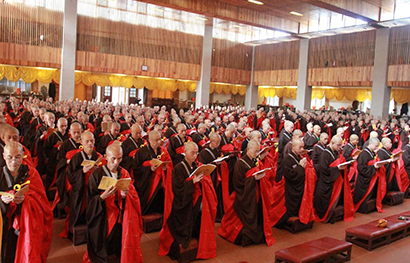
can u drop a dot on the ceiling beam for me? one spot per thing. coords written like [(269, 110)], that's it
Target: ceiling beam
[(352, 8), (230, 12)]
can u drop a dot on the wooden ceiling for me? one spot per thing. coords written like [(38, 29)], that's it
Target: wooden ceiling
[(275, 14)]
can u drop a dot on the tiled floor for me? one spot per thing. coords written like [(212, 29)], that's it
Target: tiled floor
[(63, 251)]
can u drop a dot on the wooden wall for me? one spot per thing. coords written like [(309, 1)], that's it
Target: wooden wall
[(341, 60), (346, 50), (280, 56), (277, 64), (231, 62), (27, 55), (120, 38), (110, 63), (399, 50), (22, 24)]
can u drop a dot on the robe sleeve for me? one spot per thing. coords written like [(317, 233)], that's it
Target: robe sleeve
[(347, 150), (142, 174), (363, 169), (181, 188)]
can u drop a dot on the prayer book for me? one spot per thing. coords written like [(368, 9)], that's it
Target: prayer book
[(356, 152), (206, 169), (262, 171), (264, 150), (384, 162), (22, 192), (346, 163), (91, 162), (157, 162), (121, 184), (397, 154), (221, 159)]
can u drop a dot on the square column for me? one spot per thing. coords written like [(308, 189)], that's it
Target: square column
[(251, 96), (68, 54), (380, 90), (203, 86), (304, 92)]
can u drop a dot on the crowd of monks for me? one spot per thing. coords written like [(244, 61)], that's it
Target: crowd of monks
[(270, 167)]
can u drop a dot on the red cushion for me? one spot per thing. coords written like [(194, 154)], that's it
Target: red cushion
[(367, 231), (330, 244), (391, 224), (301, 253)]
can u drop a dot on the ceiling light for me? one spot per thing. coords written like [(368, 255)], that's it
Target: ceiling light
[(255, 2), (296, 13), (237, 26), (159, 10)]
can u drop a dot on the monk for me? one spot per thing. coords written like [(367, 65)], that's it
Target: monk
[(221, 173), (186, 219), (350, 147), (66, 152), (130, 146), (284, 137), (51, 148), (199, 137), (319, 148), (113, 135), (176, 144), (248, 203), (22, 243), (309, 139), (293, 167), (330, 180), (385, 153), (78, 176), (114, 224), (366, 170), (149, 177)]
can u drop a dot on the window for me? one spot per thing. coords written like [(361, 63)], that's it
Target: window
[(317, 103), (366, 105), (7, 86), (272, 101), (107, 91), (133, 92)]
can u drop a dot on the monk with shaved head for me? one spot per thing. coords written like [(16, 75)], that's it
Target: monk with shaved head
[(248, 203), (77, 175), (293, 167), (148, 173), (385, 153), (193, 212), (113, 216), (113, 135), (330, 177), (32, 210), (131, 145), (67, 150)]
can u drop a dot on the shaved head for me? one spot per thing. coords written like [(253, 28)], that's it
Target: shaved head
[(297, 133), (336, 139), (324, 135)]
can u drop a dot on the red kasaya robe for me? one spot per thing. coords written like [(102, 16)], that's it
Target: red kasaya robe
[(35, 222), (207, 240), (379, 176), (231, 225), (341, 181), (131, 223)]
